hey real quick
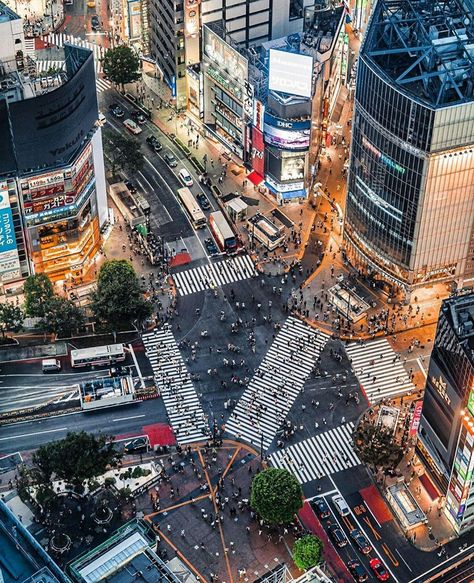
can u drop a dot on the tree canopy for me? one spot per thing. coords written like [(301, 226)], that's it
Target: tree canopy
[(62, 317), (38, 290), (124, 152), (376, 446), (11, 318), (276, 495), (121, 65), (117, 300), (307, 552), (76, 458)]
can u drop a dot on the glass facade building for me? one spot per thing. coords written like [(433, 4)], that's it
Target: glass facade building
[(446, 433), (410, 204)]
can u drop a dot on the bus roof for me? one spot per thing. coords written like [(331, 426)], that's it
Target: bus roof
[(97, 351), (222, 224)]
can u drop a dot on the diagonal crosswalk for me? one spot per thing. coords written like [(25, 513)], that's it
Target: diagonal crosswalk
[(379, 370), (59, 38), (277, 382), (321, 455), (214, 275), (174, 383)]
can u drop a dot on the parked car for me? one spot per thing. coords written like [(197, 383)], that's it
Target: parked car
[(361, 542), (154, 143), (170, 159), (357, 571), (95, 22), (321, 508), (203, 201), (185, 177), (132, 127), (116, 110), (137, 445), (341, 505), (379, 570), (211, 247), (338, 537), (138, 117)]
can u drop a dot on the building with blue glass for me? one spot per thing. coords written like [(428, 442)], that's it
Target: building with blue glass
[(410, 201)]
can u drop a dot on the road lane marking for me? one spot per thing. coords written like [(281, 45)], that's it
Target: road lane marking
[(366, 519), (31, 434), (422, 368), (127, 418), (407, 565), (390, 555), (367, 507)]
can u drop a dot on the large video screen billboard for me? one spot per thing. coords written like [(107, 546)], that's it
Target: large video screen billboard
[(290, 73), (286, 139)]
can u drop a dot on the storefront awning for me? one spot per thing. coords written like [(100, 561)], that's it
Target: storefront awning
[(255, 178)]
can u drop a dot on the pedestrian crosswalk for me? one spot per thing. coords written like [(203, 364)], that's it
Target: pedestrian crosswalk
[(102, 84), (30, 50), (277, 382), (321, 455), (214, 275), (59, 38), (174, 384), (46, 65), (379, 370)]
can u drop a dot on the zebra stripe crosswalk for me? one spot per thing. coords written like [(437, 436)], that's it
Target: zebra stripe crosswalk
[(321, 455), (214, 275), (30, 50), (277, 383), (102, 84), (46, 65), (379, 370), (59, 38), (174, 384)]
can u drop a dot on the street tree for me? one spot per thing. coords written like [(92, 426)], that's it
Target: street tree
[(61, 317), (307, 552), (124, 153), (11, 318), (121, 65), (77, 458), (38, 291), (276, 495), (117, 300), (376, 445)]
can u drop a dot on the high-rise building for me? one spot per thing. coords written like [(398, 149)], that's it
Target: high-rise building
[(410, 202), (446, 431), (52, 180)]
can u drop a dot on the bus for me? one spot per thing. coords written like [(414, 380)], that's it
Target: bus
[(97, 355), (223, 233), (198, 218)]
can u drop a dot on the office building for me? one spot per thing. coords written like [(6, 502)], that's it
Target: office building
[(22, 558), (410, 201), (446, 433), (52, 180)]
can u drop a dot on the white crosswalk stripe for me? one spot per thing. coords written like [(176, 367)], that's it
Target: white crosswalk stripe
[(278, 381), (324, 454), (174, 383), (214, 275), (59, 38), (379, 370), (102, 84), (44, 66), (30, 50)]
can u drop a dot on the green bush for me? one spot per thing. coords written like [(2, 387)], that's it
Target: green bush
[(307, 552)]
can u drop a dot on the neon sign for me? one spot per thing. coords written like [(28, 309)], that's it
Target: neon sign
[(382, 157)]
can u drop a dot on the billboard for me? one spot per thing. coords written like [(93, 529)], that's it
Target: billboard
[(277, 122), (286, 139), (9, 262), (134, 19), (225, 56), (290, 73), (258, 162)]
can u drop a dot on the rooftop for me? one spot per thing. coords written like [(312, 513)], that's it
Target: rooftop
[(459, 310), (7, 14), (426, 47), (22, 559)]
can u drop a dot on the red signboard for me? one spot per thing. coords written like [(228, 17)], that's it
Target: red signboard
[(415, 422), (46, 205), (258, 147), (47, 191)]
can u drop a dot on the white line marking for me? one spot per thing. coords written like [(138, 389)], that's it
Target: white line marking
[(407, 565), (31, 434), (127, 418)]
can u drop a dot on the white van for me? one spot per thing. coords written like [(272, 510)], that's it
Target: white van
[(341, 505), (132, 126), (185, 177), (50, 365)]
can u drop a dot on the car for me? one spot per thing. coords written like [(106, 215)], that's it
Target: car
[(361, 542), (185, 177), (132, 126), (137, 445), (379, 569), (211, 247), (154, 143), (95, 22), (321, 508), (341, 505), (170, 159), (338, 537), (138, 117), (116, 110), (357, 571), (203, 201)]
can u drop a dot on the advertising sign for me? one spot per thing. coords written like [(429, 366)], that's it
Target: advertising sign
[(279, 187), (46, 205), (258, 162), (225, 56), (415, 421), (286, 124), (191, 18), (7, 232), (470, 402), (46, 180), (134, 19), (286, 139), (290, 73), (258, 114)]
